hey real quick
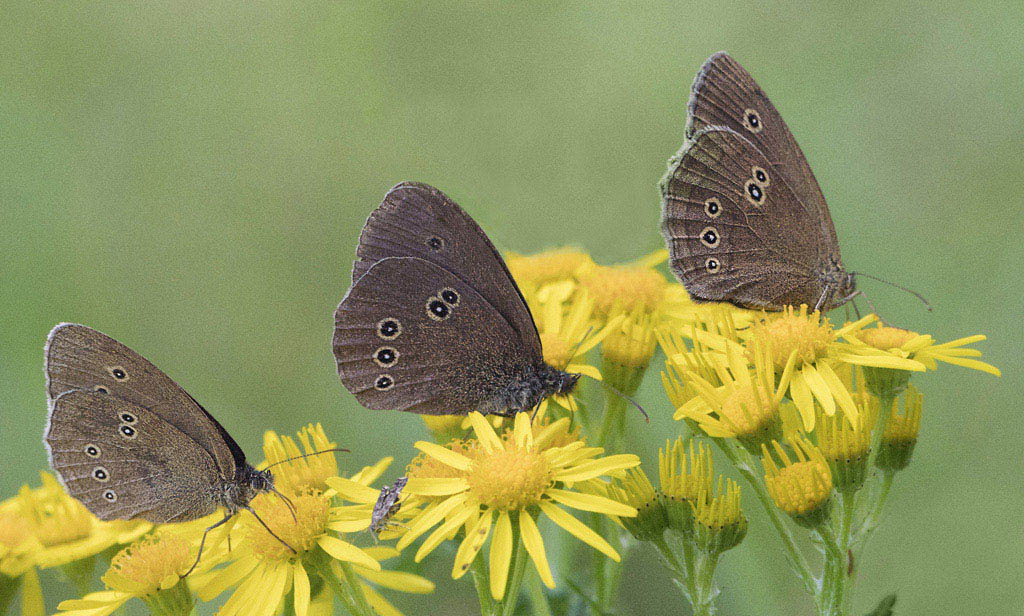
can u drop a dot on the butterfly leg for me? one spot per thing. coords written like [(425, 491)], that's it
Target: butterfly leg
[(202, 542), (267, 528), (824, 296)]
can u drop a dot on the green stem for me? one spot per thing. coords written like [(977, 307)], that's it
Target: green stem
[(519, 558), (347, 589), (793, 554), (871, 521), (676, 568), (704, 584), (611, 426), (362, 605), (538, 600), (8, 588), (483, 585)]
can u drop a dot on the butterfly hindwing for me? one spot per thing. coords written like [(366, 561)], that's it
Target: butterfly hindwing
[(418, 220), (735, 230), (80, 358), (412, 336), (123, 461)]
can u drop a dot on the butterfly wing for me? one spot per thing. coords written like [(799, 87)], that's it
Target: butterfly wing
[(724, 94), (77, 357), (418, 220), (735, 231), (123, 461), (412, 336)]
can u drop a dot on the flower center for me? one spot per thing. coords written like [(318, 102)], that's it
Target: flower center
[(147, 563), (300, 532), (885, 337), (510, 478), (793, 332), (801, 487), (747, 409), (557, 352), (625, 287)]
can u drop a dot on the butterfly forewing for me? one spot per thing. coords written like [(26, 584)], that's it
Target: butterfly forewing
[(123, 461), (418, 220), (724, 94), (412, 336), (81, 358)]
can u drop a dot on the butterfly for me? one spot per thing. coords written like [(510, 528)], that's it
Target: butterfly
[(433, 322), (742, 214), (130, 443)]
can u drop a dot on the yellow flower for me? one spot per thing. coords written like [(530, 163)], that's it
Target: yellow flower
[(900, 434), (499, 482), (150, 570), (735, 401), (922, 348), (845, 447), (803, 487), (301, 474), (719, 523), (558, 264), (686, 476), (17, 549), (624, 287), (818, 351), (265, 570), (636, 491)]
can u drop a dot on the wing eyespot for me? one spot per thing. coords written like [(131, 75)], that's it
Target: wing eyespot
[(752, 121), (110, 496), (118, 373), (712, 265), (100, 474), (386, 356), (437, 309), (93, 451), (127, 431), (754, 193), (709, 237), (383, 383), (713, 207), (435, 243), (450, 296), (389, 328), (761, 176), (128, 418)]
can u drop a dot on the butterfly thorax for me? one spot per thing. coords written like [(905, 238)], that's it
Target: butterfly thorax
[(237, 494), (528, 389), (838, 285)]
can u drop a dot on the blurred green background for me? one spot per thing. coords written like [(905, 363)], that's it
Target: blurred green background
[(191, 178)]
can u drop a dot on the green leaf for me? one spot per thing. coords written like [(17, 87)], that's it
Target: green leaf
[(884, 607)]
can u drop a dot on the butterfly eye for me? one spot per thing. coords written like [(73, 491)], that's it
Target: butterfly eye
[(385, 356), (450, 296), (712, 265), (389, 328), (100, 474), (755, 194), (437, 309), (383, 383), (117, 372), (709, 237), (761, 176), (92, 451), (435, 243), (127, 431), (752, 121), (110, 496), (713, 207)]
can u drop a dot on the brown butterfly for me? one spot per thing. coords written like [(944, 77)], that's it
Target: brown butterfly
[(743, 217)]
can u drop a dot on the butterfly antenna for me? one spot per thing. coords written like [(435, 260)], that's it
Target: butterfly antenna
[(272, 533), (577, 347), (306, 455), (287, 501), (893, 284), (621, 395)]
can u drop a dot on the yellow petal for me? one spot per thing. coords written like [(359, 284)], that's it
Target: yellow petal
[(586, 369), (535, 547), (840, 393), (580, 530), (369, 474), (485, 433), (352, 490), (442, 532), (501, 555), (591, 502), (301, 589), (801, 395), (596, 468), (523, 431), (397, 580), (32, 595), (435, 486), (225, 578), (343, 550), (430, 516), (350, 526), (475, 538), (378, 603), (443, 454), (819, 388)]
